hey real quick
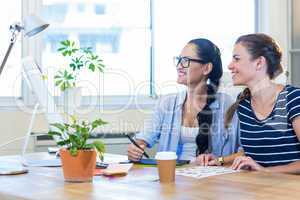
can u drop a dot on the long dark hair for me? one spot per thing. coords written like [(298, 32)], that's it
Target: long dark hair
[(209, 53), (258, 44)]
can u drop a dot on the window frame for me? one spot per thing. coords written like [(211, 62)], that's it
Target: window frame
[(27, 48), (292, 50)]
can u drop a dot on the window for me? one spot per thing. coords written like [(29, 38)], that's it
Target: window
[(124, 36), (137, 40), (10, 79), (219, 21), (118, 33)]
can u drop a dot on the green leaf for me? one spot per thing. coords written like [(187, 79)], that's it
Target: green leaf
[(100, 69), (74, 50), (88, 146), (101, 65), (73, 151), (100, 148), (63, 142), (52, 133), (73, 66), (57, 76), (73, 119), (65, 42), (59, 126), (77, 63), (99, 145), (67, 48), (57, 83), (87, 50), (76, 140), (63, 87), (64, 80), (61, 49), (92, 67), (98, 122)]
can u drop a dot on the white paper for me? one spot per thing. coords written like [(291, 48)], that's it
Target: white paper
[(114, 158), (202, 172)]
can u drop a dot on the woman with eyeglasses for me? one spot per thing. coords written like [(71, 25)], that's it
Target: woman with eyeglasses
[(269, 113), (190, 123)]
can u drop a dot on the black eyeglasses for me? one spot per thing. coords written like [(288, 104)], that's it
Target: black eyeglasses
[(185, 61)]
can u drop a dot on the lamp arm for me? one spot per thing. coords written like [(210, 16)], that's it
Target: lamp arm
[(13, 39), (6, 56)]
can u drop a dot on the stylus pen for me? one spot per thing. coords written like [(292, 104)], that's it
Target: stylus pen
[(133, 142)]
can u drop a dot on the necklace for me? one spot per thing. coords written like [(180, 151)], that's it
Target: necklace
[(263, 109), (189, 114)]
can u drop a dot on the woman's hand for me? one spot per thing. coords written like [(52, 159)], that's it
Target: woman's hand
[(207, 160), (246, 162), (134, 153)]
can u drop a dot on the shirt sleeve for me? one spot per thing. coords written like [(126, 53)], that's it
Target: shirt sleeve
[(293, 103), (235, 134), (152, 127), (228, 141)]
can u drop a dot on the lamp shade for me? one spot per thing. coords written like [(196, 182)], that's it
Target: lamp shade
[(33, 25)]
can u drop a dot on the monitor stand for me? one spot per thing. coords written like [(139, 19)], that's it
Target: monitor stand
[(12, 169), (30, 162)]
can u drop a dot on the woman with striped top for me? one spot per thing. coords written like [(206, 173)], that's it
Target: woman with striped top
[(269, 113)]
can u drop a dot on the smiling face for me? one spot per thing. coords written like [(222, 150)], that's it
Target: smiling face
[(196, 71), (243, 68)]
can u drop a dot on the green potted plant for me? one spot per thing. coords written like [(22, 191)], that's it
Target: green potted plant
[(78, 156), (66, 77), (79, 59)]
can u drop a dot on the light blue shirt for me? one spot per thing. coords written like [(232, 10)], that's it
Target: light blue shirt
[(164, 127)]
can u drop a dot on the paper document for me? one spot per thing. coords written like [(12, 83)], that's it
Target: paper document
[(202, 172), (113, 158)]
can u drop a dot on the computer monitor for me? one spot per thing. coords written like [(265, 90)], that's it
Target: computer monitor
[(33, 76)]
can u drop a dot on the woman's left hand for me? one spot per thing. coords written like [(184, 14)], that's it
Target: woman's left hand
[(246, 162)]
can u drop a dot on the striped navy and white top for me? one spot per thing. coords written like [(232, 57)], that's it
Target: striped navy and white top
[(271, 141)]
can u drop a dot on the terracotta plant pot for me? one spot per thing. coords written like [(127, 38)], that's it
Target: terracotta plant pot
[(79, 168)]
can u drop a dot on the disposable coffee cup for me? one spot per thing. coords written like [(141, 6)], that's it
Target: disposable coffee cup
[(166, 163)]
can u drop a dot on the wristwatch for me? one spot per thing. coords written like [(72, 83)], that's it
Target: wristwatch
[(221, 160)]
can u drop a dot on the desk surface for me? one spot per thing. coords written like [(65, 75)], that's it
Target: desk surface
[(48, 183)]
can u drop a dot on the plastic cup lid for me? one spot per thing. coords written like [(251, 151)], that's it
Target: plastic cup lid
[(166, 155)]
